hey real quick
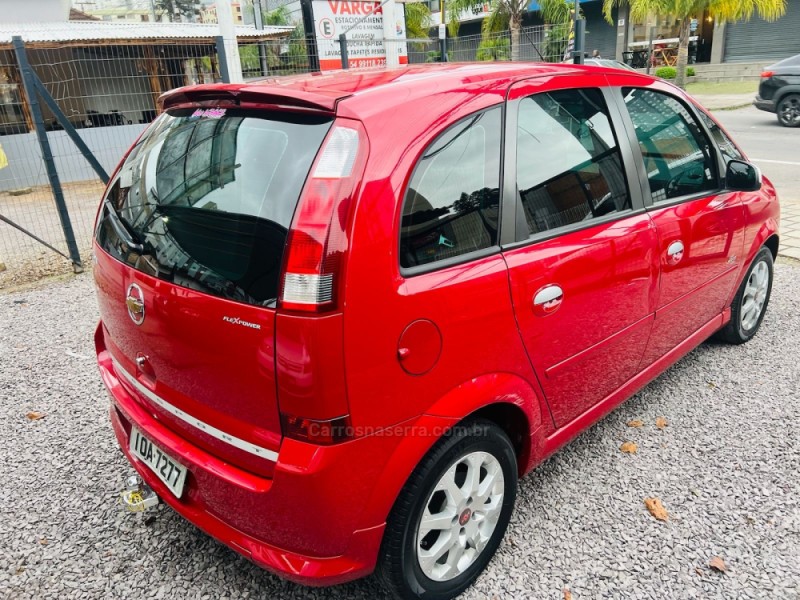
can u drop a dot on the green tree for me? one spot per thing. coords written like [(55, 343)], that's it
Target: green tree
[(558, 14), (418, 20), (496, 48), (172, 8), (503, 14), (507, 15), (296, 57), (685, 10), (279, 16)]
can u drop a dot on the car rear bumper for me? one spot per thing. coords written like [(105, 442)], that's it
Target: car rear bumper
[(761, 104), (307, 497)]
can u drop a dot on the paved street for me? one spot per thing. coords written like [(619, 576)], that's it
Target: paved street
[(776, 150)]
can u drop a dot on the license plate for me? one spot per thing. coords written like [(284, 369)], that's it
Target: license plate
[(167, 470)]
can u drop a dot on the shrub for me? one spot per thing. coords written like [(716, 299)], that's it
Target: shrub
[(690, 71), (494, 49), (666, 72)]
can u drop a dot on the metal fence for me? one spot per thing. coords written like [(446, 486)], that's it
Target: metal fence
[(108, 94), (543, 43)]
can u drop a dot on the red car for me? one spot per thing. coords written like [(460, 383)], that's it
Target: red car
[(342, 314)]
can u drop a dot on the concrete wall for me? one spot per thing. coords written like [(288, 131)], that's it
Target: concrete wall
[(729, 71), (26, 168)]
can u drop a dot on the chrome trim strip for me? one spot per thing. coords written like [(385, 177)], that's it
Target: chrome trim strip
[(187, 418)]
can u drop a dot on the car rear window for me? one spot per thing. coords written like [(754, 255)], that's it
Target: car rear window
[(208, 196), (792, 61)]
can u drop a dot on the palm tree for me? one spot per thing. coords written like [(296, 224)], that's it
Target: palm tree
[(559, 14), (507, 14), (685, 10), (503, 14), (418, 20)]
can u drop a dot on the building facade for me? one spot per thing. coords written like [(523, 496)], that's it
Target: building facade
[(208, 14), (754, 41)]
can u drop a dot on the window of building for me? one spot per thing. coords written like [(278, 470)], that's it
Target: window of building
[(676, 152), (569, 168), (452, 203)]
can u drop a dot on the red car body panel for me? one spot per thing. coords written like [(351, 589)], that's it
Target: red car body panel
[(606, 273), (408, 356), (191, 361)]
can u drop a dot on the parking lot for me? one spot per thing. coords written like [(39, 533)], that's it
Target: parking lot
[(725, 467)]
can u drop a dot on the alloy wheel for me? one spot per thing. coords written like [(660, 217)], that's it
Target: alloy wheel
[(755, 295), (789, 111), (460, 516)]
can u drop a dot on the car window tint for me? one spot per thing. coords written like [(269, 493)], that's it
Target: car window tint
[(676, 153), (452, 203), (726, 146), (569, 167)]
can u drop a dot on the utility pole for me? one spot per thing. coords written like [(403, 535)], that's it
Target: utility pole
[(228, 33), (579, 33), (390, 35), (258, 16)]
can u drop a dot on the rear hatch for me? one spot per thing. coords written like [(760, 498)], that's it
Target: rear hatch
[(189, 245)]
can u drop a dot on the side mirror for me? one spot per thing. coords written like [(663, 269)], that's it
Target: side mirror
[(741, 176)]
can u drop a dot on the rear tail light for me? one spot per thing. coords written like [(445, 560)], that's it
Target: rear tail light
[(310, 373), (317, 241), (766, 74)]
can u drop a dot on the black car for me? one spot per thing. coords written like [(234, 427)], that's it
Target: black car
[(779, 91)]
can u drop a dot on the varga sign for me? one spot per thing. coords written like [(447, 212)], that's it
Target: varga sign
[(355, 8)]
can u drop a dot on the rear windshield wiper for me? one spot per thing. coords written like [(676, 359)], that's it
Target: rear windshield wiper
[(123, 229)]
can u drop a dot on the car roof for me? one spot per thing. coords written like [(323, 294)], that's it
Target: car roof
[(368, 91)]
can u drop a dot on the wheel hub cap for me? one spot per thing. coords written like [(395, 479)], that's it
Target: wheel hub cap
[(755, 295), (460, 516), (790, 111)]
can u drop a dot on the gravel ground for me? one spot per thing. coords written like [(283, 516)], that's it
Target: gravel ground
[(25, 259), (726, 468)]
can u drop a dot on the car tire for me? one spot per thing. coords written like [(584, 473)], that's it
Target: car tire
[(788, 111), (473, 518), (751, 300)]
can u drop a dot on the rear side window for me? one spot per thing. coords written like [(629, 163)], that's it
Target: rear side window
[(676, 152), (452, 203), (569, 168), (208, 196)]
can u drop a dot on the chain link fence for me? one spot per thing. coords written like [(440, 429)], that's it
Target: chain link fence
[(108, 94), (108, 91)]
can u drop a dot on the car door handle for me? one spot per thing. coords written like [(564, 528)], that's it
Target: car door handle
[(675, 252), (547, 300)]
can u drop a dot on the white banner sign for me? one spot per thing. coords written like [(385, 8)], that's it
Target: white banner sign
[(365, 46)]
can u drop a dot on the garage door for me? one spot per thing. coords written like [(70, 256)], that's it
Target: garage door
[(759, 40)]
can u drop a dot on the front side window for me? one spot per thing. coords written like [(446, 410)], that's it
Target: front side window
[(452, 203), (569, 168), (724, 143), (677, 154)]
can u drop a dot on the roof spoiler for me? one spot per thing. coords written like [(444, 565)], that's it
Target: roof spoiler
[(251, 96)]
